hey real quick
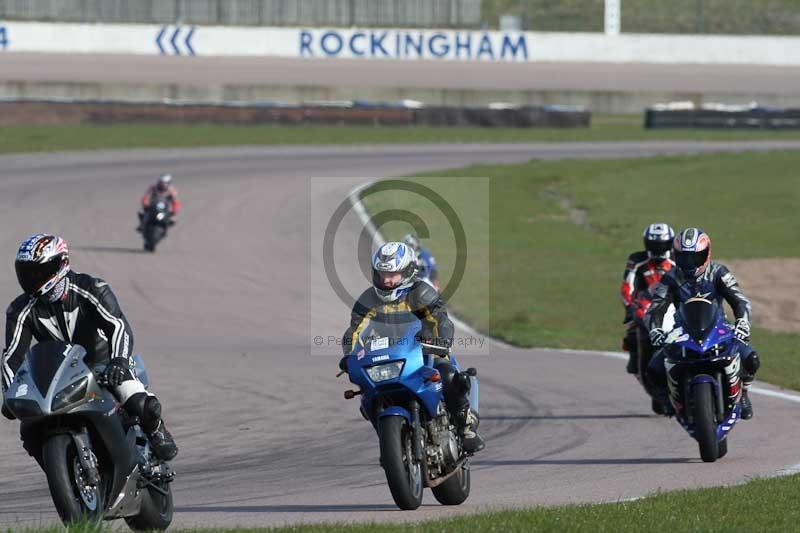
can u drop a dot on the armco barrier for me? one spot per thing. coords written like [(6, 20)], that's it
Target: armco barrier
[(751, 118), (34, 111)]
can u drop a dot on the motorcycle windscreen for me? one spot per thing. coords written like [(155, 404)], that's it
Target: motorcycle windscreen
[(386, 330), (44, 360), (698, 316)]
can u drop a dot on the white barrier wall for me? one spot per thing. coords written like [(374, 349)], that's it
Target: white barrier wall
[(400, 44)]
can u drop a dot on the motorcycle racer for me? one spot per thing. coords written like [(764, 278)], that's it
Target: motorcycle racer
[(643, 271), (398, 295), (161, 189), (426, 263), (696, 276), (59, 304)]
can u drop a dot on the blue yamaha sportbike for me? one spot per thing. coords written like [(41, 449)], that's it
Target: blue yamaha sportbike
[(703, 367), (402, 395)]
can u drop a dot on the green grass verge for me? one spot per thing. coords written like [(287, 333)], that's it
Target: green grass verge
[(85, 137), (771, 506), (760, 505), (559, 233)]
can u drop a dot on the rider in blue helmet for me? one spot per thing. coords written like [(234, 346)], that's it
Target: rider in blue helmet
[(426, 263)]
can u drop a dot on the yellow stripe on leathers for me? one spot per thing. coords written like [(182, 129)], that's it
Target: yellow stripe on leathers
[(395, 307), (356, 332)]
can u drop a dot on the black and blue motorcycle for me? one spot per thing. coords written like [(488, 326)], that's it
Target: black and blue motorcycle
[(703, 365)]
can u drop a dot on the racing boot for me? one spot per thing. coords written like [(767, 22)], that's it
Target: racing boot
[(751, 365), (747, 405), (148, 409), (468, 425), (162, 443), (661, 405)]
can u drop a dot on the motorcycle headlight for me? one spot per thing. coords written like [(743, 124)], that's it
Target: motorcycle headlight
[(72, 393), (385, 372)]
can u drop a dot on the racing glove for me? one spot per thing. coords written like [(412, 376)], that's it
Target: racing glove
[(742, 329), (657, 337), (117, 371)]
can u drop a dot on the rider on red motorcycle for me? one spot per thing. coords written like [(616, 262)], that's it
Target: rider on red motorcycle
[(643, 271), (161, 189)]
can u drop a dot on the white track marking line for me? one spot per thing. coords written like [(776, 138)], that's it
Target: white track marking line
[(366, 220), (788, 396)]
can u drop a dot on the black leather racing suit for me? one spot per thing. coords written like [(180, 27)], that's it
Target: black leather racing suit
[(717, 283), (90, 316), (420, 302)]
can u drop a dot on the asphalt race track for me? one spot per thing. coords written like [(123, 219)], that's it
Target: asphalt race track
[(211, 71), (222, 316)]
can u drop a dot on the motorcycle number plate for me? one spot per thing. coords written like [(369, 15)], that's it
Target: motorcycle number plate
[(379, 344)]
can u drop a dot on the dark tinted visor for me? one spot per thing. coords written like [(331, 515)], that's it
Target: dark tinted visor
[(691, 260), (658, 247), (32, 276), (698, 317)]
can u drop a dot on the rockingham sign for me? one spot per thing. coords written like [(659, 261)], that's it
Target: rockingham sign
[(396, 44), (414, 44)]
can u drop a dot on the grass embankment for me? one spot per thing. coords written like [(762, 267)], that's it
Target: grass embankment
[(85, 137), (560, 233), (760, 505), (748, 17)]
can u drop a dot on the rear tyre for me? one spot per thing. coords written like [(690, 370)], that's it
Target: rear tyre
[(455, 490), (403, 473), (705, 424), (644, 353), (155, 513), (73, 497)]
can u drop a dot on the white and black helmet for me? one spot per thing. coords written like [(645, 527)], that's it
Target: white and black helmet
[(164, 181), (42, 263), (394, 257), (657, 239)]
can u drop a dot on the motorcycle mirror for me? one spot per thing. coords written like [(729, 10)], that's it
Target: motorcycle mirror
[(350, 394)]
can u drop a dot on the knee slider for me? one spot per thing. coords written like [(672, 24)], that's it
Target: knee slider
[(134, 406), (151, 416), (447, 372), (752, 363), (147, 408)]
